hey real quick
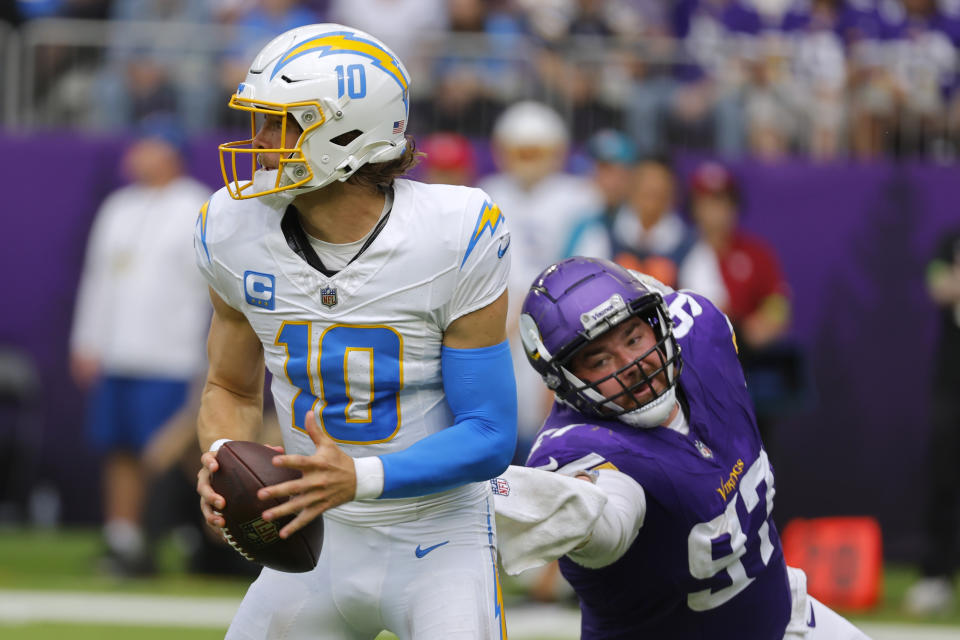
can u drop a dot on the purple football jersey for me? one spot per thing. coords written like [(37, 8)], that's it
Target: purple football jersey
[(707, 562)]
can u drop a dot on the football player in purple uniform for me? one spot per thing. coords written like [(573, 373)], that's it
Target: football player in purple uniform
[(647, 382)]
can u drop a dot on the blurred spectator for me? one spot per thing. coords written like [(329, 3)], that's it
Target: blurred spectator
[(574, 81), (769, 101), (697, 103), (758, 297), (400, 24), (614, 158), (543, 205), (150, 91), (920, 53), (449, 159), (575, 63), (473, 68), (820, 72), (934, 593), (255, 25), (614, 154), (62, 74), (872, 91), (153, 71), (553, 20), (139, 326), (647, 234)]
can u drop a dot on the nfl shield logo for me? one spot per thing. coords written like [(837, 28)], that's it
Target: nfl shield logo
[(260, 532), (328, 297), (703, 449), (500, 486)]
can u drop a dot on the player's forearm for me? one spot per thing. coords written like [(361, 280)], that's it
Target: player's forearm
[(618, 524), (228, 414), (467, 452), (482, 393)]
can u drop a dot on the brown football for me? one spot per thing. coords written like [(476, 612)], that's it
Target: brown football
[(245, 467)]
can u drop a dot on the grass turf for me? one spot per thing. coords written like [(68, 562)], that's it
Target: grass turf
[(65, 560), (103, 632)]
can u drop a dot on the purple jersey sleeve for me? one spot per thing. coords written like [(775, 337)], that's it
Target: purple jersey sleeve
[(707, 562)]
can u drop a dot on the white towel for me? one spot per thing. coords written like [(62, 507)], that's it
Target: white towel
[(542, 515)]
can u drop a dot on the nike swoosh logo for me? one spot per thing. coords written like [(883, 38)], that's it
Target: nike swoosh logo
[(422, 552), (550, 466), (813, 621), (503, 249)]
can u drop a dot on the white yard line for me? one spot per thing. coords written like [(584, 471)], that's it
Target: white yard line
[(19, 607), (116, 608), (909, 632)]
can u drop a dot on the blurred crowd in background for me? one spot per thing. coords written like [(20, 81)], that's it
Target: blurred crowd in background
[(822, 78)]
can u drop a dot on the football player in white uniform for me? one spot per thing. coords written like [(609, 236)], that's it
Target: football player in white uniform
[(379, 306)]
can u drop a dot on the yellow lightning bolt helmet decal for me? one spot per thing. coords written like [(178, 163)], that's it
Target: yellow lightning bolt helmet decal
[(489, 218), (346, 42)]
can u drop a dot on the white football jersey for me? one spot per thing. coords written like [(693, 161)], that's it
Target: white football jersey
[(361, 348)]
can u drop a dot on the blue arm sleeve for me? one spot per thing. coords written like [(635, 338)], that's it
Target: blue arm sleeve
[(482, 393)]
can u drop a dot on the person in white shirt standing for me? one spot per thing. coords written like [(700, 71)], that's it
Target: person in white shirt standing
[(139, 325), (530, 145)]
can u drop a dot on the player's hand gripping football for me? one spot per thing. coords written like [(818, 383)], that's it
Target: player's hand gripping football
[(328, 480), (212, 502)]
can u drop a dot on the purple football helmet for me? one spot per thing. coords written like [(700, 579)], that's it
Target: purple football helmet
[(579, 299)]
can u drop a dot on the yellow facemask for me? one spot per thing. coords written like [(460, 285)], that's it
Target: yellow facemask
[(241, 189)]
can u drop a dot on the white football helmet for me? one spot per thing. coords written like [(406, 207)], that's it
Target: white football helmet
[(348, 92)]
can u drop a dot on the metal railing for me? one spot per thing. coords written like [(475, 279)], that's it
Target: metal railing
[(50, 60), (90, 75), (10, 49), (71, 65)]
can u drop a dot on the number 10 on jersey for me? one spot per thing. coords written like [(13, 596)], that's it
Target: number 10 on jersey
[(358, 371)]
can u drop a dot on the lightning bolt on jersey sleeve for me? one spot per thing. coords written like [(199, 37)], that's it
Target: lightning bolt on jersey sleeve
[(485, 262), (209, 232)]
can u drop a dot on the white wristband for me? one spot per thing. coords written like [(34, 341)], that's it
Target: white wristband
[(219, 443), (369, 472)]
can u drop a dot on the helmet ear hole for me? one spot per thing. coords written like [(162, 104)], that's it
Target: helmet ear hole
[(344, 139)]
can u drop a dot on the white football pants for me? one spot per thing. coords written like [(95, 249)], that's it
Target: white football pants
[(434, 578), (813, 620)]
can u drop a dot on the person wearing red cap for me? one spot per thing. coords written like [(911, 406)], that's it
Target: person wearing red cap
[(449, 159), (758, 296)]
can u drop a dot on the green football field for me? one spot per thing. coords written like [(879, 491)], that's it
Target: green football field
[(48, 571)]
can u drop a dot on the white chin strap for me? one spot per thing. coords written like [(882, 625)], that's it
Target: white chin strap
[(653, 414), (266, 179)]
